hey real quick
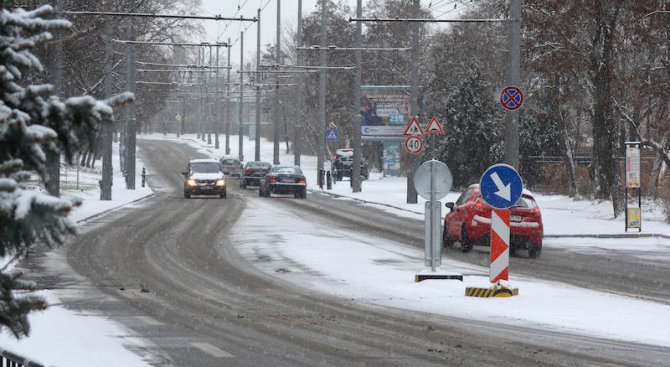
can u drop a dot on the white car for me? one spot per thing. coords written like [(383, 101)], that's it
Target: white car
[(204, 177), (231, 166)]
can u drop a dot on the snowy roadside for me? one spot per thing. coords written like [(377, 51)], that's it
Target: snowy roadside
[(562, 215), (367, 270), (66, 338)]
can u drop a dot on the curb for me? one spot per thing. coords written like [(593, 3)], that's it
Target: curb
[(605, 235), (105, 212)]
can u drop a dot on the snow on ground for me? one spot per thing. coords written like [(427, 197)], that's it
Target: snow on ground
[(366, 269), (324, 258), (561, 214), (382, 273), (67, 338)]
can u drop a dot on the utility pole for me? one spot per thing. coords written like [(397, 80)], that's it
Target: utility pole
[(257, 137), (108, 128), (356, 169), (228, 103), (217, 120), (131, 132), (240, 153), (514, 78), (414, 105), (208, 106), (321, 130), (275, 147), (297, 124)]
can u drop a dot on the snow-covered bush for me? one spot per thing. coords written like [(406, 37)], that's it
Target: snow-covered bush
[(32, 122)]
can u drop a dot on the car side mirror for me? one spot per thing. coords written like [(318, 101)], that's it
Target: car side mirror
[(185, 173), (449, 205)]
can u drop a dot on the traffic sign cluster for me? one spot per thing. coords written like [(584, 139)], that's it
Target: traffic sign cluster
[(414, 133)]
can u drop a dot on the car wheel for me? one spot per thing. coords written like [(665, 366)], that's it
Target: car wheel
[(223, 195), (303, 193), (446, 241), (260, 192), (339, 176), (466, 243), (534, 251), (297, 194), (187, 195)]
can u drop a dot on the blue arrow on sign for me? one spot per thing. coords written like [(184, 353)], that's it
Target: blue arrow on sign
[(331, 135), (501, 186)]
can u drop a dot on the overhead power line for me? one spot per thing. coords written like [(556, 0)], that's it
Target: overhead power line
[(418, 20), (154, 15), (158, 43)]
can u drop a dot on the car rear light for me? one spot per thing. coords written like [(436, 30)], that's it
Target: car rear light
[(479, 205), (248, 172), (273, 179), (302, 181)]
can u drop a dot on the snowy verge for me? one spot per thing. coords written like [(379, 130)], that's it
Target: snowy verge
[(67, 338), (562, 216)]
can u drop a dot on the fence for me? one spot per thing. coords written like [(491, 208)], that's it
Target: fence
[(9, 359)]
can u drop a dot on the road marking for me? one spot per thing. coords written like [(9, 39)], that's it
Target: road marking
[(212, 350)]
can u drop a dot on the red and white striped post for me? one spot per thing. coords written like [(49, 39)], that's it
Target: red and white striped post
[(499, 269)]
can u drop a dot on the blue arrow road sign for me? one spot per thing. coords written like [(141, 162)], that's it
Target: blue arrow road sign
[(501, 186), (331, 135)]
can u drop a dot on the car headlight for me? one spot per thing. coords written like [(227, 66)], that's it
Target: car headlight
[(220, 182), (191, 183)]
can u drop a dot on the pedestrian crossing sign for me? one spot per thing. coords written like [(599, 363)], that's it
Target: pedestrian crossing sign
[(332, 135)]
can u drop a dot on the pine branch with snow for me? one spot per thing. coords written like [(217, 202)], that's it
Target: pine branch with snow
[(32, 122)]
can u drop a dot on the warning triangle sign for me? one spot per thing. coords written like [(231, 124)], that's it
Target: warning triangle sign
[(434, 127), (413, 129), (332, 135)]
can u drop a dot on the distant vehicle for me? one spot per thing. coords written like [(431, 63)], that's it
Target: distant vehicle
[(284, 180), (469, 222), (204, 177), (231, 166), (343, 162), (252, 173)]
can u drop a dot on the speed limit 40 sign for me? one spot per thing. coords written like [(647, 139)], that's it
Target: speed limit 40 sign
[(413, 145)]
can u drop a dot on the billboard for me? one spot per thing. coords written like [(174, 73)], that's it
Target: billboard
[(384, 111)]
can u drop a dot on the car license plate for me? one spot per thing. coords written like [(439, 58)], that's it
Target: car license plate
[(515, 218)]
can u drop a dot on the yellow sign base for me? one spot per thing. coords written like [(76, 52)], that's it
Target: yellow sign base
[(495, 291)]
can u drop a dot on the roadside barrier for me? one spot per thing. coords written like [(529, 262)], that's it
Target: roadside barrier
[(9, 359)]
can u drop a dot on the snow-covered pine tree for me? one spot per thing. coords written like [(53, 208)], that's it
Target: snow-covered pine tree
[(32, 122), (473, 138)]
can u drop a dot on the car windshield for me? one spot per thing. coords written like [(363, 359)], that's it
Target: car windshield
[(230, 162), (205, 167), (263, 165), (286, 170)]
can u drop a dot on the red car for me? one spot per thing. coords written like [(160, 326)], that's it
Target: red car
[(469, 222)]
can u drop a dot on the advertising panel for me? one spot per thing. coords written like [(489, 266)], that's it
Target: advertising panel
[(632, 166), (634, 218), (384, 111)]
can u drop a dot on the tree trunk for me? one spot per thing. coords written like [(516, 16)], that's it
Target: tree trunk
[(606, 167), (573, 189), (655, 178)]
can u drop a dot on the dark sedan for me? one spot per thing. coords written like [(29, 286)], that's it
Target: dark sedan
[(284, 180), (252, 173)]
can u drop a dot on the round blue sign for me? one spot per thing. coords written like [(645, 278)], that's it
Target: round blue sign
[(501, 186)]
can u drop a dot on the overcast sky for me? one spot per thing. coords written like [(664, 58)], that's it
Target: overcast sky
[(221, 30)]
